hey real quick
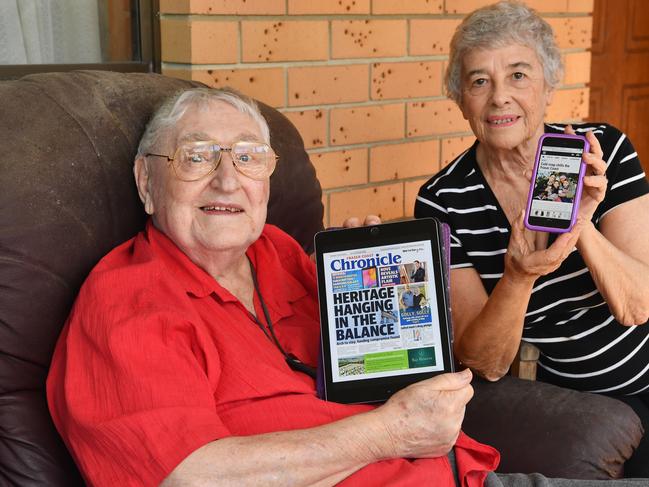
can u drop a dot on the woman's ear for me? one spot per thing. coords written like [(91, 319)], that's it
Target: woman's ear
[(143, 183), (549, 95)]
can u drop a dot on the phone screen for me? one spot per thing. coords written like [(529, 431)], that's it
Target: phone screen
[(556, 182)]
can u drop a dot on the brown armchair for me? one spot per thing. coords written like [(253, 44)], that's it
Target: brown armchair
[(67, 197)]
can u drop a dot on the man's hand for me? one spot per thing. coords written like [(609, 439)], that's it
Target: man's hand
[(424, 419)]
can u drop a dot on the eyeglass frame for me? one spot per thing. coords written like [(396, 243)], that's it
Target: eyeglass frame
[(215, 165)]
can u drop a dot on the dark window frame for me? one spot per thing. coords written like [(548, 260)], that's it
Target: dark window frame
[(148, 23)]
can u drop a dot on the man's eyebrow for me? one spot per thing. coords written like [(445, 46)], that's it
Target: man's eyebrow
[(193, 136), (202, 136), (248, 137)]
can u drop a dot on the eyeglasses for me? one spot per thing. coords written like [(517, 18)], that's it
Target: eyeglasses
[(195, 160)]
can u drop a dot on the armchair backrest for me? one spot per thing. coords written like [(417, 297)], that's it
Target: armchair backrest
[(67, 196)]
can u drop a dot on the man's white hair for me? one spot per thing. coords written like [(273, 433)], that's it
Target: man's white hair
[(173, 108)]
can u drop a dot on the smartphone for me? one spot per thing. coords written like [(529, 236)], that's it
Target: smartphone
[(557, 180)]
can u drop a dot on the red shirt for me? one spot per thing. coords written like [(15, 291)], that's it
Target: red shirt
[(157, 359)]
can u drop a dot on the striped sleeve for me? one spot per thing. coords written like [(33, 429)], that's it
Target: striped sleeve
[(626, 178), (426, 205)]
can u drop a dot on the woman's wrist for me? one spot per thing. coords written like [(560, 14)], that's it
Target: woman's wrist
[(517, 279), (586, 233)]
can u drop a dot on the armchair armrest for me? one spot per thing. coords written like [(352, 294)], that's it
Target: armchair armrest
[(539, 427)]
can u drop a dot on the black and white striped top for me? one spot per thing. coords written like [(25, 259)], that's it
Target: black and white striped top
[(582, 346)]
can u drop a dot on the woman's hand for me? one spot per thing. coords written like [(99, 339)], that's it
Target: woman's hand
[(522, 258), (523, 261), (595, 180), (354, 221)]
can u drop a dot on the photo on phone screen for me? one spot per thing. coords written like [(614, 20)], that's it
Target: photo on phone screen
[(554, 195)]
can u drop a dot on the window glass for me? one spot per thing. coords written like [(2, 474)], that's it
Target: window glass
[(69, 31)]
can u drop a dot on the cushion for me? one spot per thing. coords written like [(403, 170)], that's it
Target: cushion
[(561, 433)]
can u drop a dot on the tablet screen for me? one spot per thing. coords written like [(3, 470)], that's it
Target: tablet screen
[(380, 302), (383, 309)]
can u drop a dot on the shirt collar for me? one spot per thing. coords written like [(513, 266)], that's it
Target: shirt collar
[(194, 279), (277, 286)]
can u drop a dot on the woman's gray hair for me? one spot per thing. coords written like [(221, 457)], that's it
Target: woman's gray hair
[(173, 108), (496, 26)]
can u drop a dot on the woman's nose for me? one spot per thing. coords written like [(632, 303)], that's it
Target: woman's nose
[(500, 94)]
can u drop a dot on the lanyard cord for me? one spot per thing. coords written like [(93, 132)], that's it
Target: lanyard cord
[(292, 361)]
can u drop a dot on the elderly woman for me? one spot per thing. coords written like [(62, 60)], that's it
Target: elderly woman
[(581, 297), (186, 357)]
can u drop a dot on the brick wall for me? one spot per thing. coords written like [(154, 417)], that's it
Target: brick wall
[(361, 80)]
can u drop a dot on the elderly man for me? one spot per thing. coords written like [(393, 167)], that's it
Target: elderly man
[(183, 360)]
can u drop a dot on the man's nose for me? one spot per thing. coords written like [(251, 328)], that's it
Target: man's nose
[(226, 176)]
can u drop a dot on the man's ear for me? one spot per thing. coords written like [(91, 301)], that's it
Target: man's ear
[(143, 183)]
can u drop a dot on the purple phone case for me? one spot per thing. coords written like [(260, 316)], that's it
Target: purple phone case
[(575, 206)]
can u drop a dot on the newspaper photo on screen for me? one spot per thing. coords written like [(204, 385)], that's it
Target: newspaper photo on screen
[(382, 312)]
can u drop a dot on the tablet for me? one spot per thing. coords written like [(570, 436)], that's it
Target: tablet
[(384, 309)]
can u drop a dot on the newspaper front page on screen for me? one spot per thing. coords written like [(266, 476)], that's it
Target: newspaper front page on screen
[(382, 312)]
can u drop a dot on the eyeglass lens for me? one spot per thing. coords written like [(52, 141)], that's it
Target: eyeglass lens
[(197, 159)]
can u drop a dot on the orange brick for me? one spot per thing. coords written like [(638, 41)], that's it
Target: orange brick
[(400, 161), (174, 6), (407, 7), (577, 68), (385, 201), (221, 7), (572, 32), (366, 124), (406, 80), (410, 192), (326, 7), (435, 117), (266, 85), (368, 38), (548, 5), (431, 36), (175, 40), (581, 5), (465, 6), (177, 73), (341, 168), (293, 40), (454, 146), (312, 125), (569, 105), (194, 41), (327, 84)]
